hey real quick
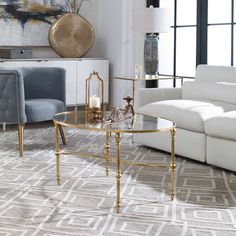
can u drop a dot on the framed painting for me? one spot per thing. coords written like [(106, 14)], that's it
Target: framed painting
[(26, 22)]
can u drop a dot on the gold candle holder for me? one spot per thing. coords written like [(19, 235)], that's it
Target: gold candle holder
[(94, 114), (94, 97)]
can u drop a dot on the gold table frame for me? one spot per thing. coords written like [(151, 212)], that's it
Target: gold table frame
[(134, 80), (58, 126)]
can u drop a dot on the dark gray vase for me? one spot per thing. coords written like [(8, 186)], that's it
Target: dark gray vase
[(151, 55)]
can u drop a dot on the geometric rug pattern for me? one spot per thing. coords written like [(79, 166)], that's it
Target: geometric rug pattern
[(32, 204)]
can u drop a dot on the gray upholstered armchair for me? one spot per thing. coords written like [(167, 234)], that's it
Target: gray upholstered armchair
[(31, 95)]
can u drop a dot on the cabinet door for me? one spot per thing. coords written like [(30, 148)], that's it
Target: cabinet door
[(84, 68), (69, 66)]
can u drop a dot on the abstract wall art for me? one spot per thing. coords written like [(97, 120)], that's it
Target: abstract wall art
[(26, 22)]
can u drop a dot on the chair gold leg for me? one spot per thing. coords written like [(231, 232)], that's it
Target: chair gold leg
[(21, 139), (62, 134)]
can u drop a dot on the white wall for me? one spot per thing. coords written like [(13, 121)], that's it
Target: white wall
[(116, 40)]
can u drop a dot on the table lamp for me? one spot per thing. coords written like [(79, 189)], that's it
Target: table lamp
[(151, 21)]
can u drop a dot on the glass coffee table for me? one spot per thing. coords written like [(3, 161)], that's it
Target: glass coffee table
[(138, 124)]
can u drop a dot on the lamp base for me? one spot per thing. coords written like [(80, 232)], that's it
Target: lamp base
[(151, 55)]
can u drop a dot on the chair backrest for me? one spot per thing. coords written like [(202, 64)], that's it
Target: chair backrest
[(12, 97), (44, 82), (217, 83)]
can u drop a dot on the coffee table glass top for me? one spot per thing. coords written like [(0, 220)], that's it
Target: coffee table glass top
[(138, 124)]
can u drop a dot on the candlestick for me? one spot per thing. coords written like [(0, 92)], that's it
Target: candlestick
[(96, 102), (91, 102)]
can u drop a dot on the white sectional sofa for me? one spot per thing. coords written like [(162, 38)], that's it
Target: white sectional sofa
[(205, 114)]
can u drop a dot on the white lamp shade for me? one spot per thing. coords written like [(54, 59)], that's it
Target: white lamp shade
[(152, 20)]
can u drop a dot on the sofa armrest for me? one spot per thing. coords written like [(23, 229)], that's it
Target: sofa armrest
[(12, 99), (144, 96)]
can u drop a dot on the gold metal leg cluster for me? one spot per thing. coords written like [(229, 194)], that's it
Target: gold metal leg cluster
[(59, 128), (172, 165), (118, 173), (21, 137)]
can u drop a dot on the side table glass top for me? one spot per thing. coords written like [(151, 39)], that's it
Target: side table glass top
[(138, 124), (132, 78)]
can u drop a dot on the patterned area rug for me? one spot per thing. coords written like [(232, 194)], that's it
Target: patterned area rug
[(32, 204)]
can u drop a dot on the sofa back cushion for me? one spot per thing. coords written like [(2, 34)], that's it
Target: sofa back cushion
[(208, 73), (207, 90), (217, 83)]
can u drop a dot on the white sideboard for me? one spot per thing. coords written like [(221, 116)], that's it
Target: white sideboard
[(77, 71)]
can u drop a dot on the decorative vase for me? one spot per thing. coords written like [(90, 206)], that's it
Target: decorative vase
[(71, 36)]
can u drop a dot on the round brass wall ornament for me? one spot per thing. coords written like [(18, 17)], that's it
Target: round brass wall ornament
[(71, 36)]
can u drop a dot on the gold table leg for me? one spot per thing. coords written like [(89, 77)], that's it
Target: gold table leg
[(118, 173), (57, 155), (172, 165), (107, 152)]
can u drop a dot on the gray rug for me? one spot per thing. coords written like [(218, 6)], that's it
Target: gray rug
[(32, 204)]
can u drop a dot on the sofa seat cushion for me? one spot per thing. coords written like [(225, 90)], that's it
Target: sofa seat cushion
[(222, 126), (187, 114), (42, 109)]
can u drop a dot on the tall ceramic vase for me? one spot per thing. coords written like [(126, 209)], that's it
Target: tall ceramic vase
[(71, 36)]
